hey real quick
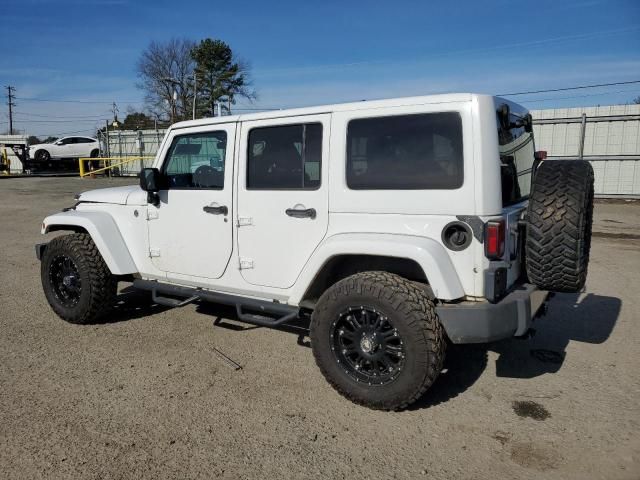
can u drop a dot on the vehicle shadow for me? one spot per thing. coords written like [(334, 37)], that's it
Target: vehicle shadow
[(587, 318), (131, 304)]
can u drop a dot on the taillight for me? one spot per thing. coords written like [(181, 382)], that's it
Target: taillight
[(540, 155), (494, 233)]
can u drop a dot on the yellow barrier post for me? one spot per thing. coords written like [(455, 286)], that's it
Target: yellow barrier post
[(6, 162), (107, 161)]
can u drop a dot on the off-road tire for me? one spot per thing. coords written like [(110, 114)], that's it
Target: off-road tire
[(559, 219), (414, 316), (99, 286)]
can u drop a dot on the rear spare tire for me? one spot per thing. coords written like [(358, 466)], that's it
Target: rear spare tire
[(559, 218)]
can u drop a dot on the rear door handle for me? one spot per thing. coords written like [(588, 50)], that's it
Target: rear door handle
[(301, 213), (221, 210)]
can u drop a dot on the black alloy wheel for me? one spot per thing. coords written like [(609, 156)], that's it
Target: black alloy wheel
[(367, 345), (65, 281)]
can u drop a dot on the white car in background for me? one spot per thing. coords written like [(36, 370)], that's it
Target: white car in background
[(66, 147)]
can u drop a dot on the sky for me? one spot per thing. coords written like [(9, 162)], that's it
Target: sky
[(83, 53)]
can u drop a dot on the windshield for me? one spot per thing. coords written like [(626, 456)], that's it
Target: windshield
[(517, 154)]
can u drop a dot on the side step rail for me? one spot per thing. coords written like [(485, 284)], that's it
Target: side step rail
[(269, 314), (171, 302)]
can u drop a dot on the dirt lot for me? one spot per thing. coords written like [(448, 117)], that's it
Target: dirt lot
[(145, 395)]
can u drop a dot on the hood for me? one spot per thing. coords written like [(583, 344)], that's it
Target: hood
[(128, 195), (40, 145)]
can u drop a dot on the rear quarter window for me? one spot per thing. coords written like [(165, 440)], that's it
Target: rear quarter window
[(405, 152), (517, 158)]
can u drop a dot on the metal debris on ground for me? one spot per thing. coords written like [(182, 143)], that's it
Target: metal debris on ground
[(227, 360)]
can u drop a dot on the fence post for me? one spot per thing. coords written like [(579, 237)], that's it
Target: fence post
[(140, 149), (583, 128), (106, 132), (119, 146)]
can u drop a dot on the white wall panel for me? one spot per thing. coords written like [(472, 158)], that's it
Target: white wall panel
[(602, 140)]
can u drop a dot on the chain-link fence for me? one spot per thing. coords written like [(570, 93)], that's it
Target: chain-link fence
[(122, 144)]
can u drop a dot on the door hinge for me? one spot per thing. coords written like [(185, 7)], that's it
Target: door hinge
[(244, 221), (152, 214), (246, 263), (154, 252)]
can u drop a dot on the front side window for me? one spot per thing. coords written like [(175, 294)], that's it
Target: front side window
[(196, 160), (286, 157), (408, 152)]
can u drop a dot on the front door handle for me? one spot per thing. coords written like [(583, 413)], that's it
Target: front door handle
[(301, 213), (221, 210)]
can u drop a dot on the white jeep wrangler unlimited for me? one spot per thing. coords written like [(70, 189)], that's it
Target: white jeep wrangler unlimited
[(396, 225)]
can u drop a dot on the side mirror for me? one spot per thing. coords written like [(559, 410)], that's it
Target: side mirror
[(150, 183), (528, 123), (150, 179)]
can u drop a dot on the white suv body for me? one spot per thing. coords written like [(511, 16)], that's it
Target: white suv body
[(65, 147), (269, 211), (280, 254)]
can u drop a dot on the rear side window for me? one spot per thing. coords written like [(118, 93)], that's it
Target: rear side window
[(517, 157), (197, 160), (286, 157), (408, 152)]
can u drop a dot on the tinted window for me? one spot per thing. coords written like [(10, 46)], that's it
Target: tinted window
[(405, 152), (197, 160), (285, 157), (84, 140), (517, 158), (67, 141)]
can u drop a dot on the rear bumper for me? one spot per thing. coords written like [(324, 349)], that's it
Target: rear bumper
[(481, 322)]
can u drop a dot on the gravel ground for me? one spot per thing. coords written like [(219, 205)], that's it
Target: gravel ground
[(145, 396)]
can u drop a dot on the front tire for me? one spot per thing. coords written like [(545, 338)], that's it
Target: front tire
[(377, 340), (76, 281)]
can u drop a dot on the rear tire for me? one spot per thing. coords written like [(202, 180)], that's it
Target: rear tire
[(559, 219), (76, 281), (388, 367), (42, 156)]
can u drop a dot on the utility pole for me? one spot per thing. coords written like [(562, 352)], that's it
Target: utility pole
[(10, 97), (114, 109)]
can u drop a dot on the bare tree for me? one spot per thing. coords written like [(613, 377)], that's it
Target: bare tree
[(165, 72)]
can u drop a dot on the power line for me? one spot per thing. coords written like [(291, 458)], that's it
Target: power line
[(64, 133), (503, 46), (26, 99), (29, 114), (568, 88), (92, 120), (535, 100)]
